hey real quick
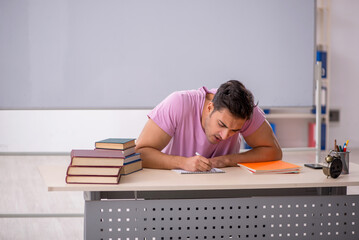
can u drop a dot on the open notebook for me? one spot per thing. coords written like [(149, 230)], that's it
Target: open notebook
[(213, 170)]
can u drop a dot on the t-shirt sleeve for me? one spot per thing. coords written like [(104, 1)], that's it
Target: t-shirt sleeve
[(251, 125), (166, 114)]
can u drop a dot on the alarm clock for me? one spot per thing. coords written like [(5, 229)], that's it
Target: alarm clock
[(334, 166)]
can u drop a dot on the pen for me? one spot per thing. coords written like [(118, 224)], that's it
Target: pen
[(205, 162), (337, 148), (335, 144), (345, 146)]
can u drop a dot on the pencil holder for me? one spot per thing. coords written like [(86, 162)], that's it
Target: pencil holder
[(344, 156)]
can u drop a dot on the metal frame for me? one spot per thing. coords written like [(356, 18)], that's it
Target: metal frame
[(304, 213)]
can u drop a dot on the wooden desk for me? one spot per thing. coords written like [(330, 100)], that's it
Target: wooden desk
[(233, 178), (162, 204)]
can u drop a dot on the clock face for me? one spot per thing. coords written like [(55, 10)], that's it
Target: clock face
[(336, 167)]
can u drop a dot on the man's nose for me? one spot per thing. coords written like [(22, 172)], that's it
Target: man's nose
[(224, 134)]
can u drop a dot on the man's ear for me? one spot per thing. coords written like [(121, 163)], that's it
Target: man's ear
[(210, 107)]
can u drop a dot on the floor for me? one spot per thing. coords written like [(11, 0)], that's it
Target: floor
[(26, 194)]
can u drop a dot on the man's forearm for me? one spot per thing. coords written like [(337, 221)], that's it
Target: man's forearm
[(258, 154), (153, 158)]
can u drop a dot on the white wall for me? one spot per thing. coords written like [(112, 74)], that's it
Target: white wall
[(63, 130), (344, 70)]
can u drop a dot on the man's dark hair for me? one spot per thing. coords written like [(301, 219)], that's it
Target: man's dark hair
[(234, 96)]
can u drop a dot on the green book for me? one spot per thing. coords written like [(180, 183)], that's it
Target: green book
[(116, 143)]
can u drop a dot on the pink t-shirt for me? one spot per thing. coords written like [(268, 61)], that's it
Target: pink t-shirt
[(179, 115)]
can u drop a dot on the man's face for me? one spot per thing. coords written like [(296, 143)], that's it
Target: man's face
[(220, 125)]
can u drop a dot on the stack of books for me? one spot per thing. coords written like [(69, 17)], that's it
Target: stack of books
[(105, 164), (278, 166)]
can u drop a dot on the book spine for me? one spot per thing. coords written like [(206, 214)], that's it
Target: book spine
[(311, 134), (132, 172)]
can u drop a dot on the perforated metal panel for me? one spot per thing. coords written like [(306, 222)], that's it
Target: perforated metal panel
[(315, 217)]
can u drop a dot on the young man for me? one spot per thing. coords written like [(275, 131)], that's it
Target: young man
[(197, 130)]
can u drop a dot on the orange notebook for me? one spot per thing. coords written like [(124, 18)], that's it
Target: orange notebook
[(278, 166)]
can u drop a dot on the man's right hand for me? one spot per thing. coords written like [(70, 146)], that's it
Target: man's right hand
[(197, 163)]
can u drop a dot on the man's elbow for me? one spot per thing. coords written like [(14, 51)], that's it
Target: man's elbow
[(139, 149), (277, 153)]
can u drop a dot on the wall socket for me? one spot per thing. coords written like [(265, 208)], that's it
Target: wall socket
[(334, 115)]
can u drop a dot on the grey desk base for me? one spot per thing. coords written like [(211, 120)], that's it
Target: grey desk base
[(308, 213)]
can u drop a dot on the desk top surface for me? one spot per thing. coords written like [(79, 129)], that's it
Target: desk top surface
[(233, 178)]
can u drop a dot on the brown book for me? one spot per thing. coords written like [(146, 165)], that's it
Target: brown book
[(125, 152), (93, 179), (116, 143), (131, 167), (84, 157), (93, 171)]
